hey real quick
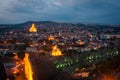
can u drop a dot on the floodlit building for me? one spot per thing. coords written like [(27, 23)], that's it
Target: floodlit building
[(33, 28), (56, 51), (51, 38)]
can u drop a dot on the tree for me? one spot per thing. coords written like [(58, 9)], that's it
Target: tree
[(2, 72)]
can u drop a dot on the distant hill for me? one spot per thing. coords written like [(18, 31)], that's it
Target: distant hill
[(6, 27)]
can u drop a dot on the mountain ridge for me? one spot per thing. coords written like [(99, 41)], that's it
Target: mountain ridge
[(52, 22)]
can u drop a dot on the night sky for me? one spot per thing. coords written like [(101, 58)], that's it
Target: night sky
[(87, 11)]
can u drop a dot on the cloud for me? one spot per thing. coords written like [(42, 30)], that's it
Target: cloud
[(27, 6), (57, 4), (97, 11)]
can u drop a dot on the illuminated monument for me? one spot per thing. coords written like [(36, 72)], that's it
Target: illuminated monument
[(33, 28), (56, 51), (51, 38)]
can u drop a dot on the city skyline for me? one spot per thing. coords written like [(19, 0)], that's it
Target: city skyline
[(59, 51), (90, 11)]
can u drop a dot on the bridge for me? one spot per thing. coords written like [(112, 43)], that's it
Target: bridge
[(28, 68)]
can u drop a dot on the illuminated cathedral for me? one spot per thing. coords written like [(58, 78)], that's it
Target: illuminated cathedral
[(33, 28)]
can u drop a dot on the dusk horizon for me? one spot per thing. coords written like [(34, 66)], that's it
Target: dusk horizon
[(34, 21)]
